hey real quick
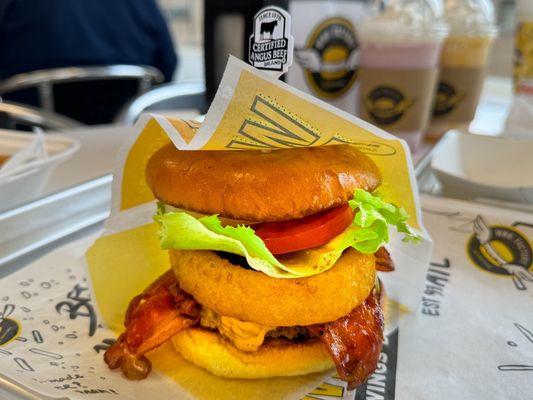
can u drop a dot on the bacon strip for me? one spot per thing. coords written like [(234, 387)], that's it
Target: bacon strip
[(354, 341), (384, 261), (163, 309), (153, 317)]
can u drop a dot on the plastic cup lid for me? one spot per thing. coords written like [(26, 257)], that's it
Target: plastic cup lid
[(407, 21), (470, 17)]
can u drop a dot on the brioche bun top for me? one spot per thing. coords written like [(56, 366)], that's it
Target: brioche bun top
[(260, 186)]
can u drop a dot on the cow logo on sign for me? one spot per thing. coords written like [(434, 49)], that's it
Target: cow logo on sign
[(271, 43)]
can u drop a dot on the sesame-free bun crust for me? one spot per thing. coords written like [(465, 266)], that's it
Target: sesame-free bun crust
[(260, 186), (276, 357), (252, 296)]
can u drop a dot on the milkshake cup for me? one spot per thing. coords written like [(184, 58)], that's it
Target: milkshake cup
[(399, 53), (523, 54), (462, 64)]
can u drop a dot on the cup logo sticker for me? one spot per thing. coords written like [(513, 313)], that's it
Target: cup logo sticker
[(446, 99), (271, 43), (386, 105), (330, 58), (502, 250), (9, 328)]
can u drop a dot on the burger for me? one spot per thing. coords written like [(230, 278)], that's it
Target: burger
[(273, 264)]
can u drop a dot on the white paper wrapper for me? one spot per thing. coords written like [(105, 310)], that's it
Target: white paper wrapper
[(51, 337), (473, 336)]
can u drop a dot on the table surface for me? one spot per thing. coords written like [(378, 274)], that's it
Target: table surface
[(99, 145), (95, 158)]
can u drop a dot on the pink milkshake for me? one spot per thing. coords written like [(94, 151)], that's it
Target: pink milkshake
[(399, 53)]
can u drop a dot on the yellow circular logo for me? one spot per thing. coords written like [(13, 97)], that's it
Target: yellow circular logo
[(386, 105), (329, 59), (446, 99), (501, 250)]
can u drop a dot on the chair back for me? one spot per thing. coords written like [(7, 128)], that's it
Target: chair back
[(90, 94), (168, 97)]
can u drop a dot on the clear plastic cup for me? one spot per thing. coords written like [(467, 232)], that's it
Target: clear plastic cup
[(462, 64), (399, 54)]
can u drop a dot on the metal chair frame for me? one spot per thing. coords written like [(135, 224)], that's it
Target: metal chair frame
[(195, 90), (32, 116), (44, 80)]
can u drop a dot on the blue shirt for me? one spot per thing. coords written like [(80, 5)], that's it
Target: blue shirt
[(41, 34)]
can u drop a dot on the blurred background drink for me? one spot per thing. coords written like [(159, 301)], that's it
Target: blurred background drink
[(399, 56), (523, 55), (462, 64)]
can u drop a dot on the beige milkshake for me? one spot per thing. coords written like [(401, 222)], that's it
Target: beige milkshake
[(462, 64)]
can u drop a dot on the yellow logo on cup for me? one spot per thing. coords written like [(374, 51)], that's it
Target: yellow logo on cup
[(330, 58), (386, 105), (446, 99)]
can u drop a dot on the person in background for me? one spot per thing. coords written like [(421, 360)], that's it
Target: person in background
[(43, 34)]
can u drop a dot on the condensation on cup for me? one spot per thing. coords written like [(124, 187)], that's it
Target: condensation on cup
[(462, 64), (399, 57)]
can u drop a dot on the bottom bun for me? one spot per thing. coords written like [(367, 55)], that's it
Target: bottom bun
[(276, 357)]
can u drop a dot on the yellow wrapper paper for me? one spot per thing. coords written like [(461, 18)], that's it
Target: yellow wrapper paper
[(251, 111)]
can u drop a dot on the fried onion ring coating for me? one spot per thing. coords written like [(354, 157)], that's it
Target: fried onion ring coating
[(253, 296)]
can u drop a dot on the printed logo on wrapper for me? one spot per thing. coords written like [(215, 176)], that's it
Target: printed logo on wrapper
[(9, 328), (386, 105), (528, 339), (330, 58), (271, 43), (501, 250), (380, 385)]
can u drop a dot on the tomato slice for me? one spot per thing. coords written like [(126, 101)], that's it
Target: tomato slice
[(304, 233)]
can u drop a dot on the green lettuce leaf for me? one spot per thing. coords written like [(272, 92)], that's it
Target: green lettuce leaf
[(180, 230), (373, 212), (369, 231)]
